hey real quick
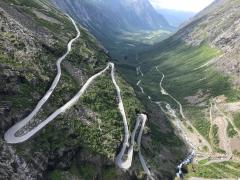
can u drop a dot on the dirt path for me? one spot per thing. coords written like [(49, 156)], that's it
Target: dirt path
[(230, 121), (210, 134), (224, 141)]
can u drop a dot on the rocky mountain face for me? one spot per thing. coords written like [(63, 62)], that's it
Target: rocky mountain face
[(82, 142), (114, 16), (218, 25), (142, 15), (109, 20)]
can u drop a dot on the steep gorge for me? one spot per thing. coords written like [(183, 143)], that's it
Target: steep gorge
[(188, 85)]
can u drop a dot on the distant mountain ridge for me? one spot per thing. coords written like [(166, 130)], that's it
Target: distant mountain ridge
[(110, 20), (176, 18), (128, 14)]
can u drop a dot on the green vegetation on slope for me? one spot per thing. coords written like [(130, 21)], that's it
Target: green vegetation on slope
[(99, 107), (230, 131), (215, 130), (145, 37), (56, 175), (197, 116), (128, 44), (219, 170), (237, 120), (186, 74), (46, 16), (181, 65), (84, 171)]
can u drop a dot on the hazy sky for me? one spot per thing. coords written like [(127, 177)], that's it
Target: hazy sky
[(182, 5)]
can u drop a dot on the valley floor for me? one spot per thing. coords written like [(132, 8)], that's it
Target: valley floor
[(223, 141), (199, 102)]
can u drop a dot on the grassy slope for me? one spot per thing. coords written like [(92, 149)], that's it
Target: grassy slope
[(179, 63), (220, 170), (124, 44), (237, 120)]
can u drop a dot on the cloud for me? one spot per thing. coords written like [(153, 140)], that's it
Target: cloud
[(182, 5)]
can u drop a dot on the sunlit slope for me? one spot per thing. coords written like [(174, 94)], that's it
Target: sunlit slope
[(201, 67), (187, 69), (193, 79)]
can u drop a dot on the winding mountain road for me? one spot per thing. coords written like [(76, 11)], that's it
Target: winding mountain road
[(229, 119), (183, 130), (171, 112), (225, 139), (11, 137), (143, 118), (140, 87), (138, 70), (10, 134), (164, 92), (123, 164)]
